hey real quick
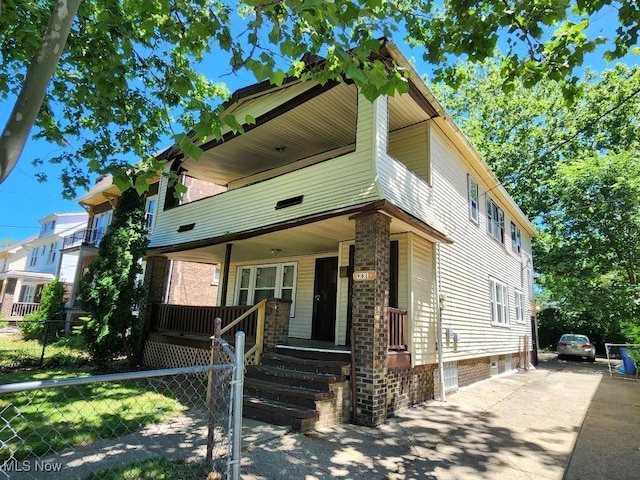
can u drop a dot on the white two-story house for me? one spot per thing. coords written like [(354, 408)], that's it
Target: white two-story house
[(40, 261), (376, 225)]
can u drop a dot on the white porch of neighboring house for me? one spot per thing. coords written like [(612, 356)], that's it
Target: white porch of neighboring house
[(20, 292)]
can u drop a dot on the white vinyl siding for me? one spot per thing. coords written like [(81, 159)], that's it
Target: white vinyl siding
[(336, 183), (466, 265), (410, 146), (422, 297), (499, 302)]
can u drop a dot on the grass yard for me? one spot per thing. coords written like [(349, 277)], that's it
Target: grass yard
[(38, 422), (157, 469), (16, 353)]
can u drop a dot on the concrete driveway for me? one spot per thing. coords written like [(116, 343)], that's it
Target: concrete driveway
[(564, 419)]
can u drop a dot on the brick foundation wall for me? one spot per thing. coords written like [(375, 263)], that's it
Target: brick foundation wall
[(473, 370), (409, 386), (276, 322)]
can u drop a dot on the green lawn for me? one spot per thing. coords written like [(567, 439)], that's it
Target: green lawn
[(157, 469), (16, 353), (39, 422)]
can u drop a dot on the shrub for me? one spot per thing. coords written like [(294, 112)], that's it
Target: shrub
[(51, 308)]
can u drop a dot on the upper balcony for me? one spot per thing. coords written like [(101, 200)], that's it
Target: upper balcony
[(88, 236)]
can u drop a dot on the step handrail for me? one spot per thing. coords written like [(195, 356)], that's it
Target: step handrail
[(252, 356)]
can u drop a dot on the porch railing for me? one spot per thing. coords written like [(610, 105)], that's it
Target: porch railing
[(20, 309), (251, 356), (397, 326), (88, 236), (195, 320)]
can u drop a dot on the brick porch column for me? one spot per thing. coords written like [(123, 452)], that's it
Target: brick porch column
[(369, 313), (276, 322), (155, 282), (6, 302)]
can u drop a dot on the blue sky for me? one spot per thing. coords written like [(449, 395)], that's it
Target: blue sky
[(24, 200)]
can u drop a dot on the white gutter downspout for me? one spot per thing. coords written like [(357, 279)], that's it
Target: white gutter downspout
[(436, 261)]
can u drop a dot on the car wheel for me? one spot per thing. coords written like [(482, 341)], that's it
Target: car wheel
[(560, 357), (592, 359)]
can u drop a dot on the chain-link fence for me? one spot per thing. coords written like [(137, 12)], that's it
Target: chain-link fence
[(171, 423)]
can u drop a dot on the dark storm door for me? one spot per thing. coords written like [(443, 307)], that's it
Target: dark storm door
[(324, 299)]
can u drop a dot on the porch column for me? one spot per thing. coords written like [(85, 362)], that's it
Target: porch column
[(6, 302), (276, 322), (370, 304), (155, 282)]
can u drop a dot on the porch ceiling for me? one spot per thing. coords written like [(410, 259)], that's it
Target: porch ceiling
[(319, 124), (309, 239)]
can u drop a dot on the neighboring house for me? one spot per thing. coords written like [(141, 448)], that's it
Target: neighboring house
[(377, 218), (36, 262), (81, 247)]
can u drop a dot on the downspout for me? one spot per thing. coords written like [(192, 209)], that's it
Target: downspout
[(436, 261)]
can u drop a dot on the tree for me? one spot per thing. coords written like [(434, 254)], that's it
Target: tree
[(51, 310), (110, 289), (132, 72)]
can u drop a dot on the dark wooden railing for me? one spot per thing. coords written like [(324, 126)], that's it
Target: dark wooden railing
[(397, 326), (195, 320), (88, 236), (20, 309)]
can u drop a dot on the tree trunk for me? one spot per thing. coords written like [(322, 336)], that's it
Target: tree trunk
[(34, 88)]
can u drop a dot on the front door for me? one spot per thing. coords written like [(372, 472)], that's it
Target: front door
[(324, 299)]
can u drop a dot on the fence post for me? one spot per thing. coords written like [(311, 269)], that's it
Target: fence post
[(44, 341), (238, 386), (211, 391)]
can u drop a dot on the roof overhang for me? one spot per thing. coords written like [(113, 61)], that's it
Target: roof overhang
[(23, 275)]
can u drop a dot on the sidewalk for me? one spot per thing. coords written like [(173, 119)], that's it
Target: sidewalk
[(520, 426)]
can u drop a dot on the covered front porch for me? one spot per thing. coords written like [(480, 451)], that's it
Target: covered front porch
[(340, 283)]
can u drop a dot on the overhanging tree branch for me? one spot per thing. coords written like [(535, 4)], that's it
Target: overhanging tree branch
[(39, 73)]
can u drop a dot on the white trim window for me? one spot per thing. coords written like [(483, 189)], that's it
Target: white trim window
[(215, 276), (472, 194), (519, 304), (495, 221), (29, 294), (256, 282), (150, 212), (52, 253), (516, 238), (499, 305), (34, 257)]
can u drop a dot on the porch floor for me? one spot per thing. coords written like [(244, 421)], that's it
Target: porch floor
[(302, 344)]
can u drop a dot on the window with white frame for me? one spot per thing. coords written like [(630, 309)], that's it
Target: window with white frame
[(519, 303), (255, 282), (472, 193), (33, 259), (495, 221), (49, 226), (499, 304), (52, 253), (516, 238), (150, 212), (100, 224), (215, 277), (29, 293)]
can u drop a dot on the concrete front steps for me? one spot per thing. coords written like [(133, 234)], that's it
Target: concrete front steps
[(296, 391)]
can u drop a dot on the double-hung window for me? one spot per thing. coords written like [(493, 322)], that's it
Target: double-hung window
[(52, 253), (150, 213), (495, 221), (516, 238), (499, 306), (519, 297), (472, 193), (256, 282), (34, 257)]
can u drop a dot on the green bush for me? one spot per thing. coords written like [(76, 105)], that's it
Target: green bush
[(33, 326)]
